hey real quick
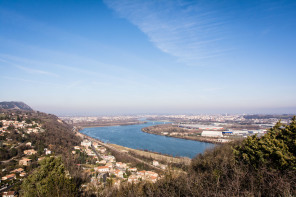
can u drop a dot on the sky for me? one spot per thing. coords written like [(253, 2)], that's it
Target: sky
[(91, 57)]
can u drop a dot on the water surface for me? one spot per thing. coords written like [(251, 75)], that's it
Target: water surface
[(131, 136)]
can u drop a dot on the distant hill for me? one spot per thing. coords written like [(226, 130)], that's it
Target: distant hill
[(15, 105)]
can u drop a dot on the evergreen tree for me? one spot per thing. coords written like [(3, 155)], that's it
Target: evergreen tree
[(276, 149), (49, 179)]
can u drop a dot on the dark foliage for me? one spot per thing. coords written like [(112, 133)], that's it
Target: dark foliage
[(50, 179)]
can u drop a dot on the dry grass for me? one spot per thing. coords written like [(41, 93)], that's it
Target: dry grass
[(158, 157)]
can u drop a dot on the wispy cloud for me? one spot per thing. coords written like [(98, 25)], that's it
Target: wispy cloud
[(36, 71), (30, 70), (30, 81), (94, 69), (93, 76), (187, 31)]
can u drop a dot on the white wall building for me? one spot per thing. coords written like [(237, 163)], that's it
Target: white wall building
[(86, 143), (212, 134)]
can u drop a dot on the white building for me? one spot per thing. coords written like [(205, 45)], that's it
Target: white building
[(86, 143), (155, 163), (212, 134), (121, 165), (47, 151)]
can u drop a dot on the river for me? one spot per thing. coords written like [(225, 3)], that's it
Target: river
[(132, 136)]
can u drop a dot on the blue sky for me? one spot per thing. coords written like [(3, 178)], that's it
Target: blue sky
[(120, 57)]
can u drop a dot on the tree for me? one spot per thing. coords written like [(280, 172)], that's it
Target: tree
[(50, 179), (276, 149)]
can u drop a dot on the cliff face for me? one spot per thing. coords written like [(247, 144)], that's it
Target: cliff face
[(15, 105)]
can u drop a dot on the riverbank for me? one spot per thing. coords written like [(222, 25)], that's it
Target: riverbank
[(179, 133)]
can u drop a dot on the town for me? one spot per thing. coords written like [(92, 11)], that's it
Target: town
[(105, 168), (19, 155)]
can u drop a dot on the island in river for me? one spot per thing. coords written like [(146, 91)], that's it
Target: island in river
[(174, 131)]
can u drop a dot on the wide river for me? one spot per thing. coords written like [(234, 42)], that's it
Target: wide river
[(132, 136)]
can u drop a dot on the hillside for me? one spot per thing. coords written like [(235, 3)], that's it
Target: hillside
[(26, 135), (15, 105)]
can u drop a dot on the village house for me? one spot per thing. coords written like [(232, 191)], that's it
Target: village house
[(86, 143), (155, 163), (102, 169), (23, 174), (118, 173), (153, 179), (133, 169), (149, 174), (76, 147), (8, 177), (25, 162), (102, 162), (109, 158), (30, 130), (9, 194), (19, 170), (142, 174), (133, 179), (96, 145), (30, 152), (47, 151), (121, 165), (90, 152)]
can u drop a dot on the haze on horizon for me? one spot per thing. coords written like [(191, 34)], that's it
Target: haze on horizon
[(123, 57)]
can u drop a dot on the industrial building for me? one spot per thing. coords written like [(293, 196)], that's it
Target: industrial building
[(212, 134)]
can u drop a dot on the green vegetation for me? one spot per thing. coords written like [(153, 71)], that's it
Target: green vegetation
[(50, 179)]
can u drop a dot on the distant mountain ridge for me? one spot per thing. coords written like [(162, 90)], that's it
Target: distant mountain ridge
[(15, 105)]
